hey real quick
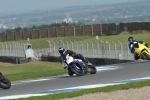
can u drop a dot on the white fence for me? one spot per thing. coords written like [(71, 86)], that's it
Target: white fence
[(12, 49), (96, 49)]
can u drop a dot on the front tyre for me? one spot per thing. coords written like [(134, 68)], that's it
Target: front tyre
[(4, 82), (146, 55), (70, 73), (78, 71)]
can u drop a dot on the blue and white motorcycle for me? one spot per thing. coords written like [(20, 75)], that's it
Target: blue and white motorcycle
[(78, 67)]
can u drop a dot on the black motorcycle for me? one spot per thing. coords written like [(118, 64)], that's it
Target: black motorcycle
[(4, 82)]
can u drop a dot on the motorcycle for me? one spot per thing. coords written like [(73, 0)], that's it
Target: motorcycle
[(142, 51), (78, 67), (4, 82)]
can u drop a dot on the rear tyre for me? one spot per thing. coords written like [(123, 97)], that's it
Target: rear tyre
[(147, 56), (93, 69)]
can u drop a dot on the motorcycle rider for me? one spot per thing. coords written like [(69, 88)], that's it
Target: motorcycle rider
[(64, 52), (132, 42)]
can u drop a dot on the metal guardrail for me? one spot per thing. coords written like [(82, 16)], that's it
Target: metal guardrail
[(12, 49), (94, 49)]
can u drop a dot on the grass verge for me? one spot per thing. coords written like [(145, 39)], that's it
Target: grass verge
[(31, 70)]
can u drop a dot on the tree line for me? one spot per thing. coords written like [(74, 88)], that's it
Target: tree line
[(43, 26)]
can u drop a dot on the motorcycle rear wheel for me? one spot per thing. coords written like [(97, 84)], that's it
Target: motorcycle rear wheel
[(93, 70)]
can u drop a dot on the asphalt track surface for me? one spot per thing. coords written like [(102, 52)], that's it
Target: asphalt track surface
[(125, 71)]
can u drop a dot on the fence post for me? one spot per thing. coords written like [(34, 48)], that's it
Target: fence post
[(115, 49), (127, 49), (50, 45), (54, 47), (103, 48), (108, 48), (2, 49), (87, 48), (9, 53), (121, 54), (97, 48), (92, 49)]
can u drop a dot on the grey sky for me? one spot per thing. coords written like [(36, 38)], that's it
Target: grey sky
[(18, 6)]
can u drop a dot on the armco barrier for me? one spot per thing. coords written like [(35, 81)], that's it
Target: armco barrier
[(95, 61)]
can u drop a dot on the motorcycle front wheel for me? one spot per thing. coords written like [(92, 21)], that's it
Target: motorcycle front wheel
[(146, 55), (78, 72), (4, 82), (70, 72)]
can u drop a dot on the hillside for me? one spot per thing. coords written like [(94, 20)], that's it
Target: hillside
[(125, 12)]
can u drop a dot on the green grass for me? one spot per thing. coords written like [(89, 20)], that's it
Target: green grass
[(106, 89), (31, 70)]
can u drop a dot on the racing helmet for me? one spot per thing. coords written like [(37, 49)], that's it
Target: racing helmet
[(61, 49), (130, 39)]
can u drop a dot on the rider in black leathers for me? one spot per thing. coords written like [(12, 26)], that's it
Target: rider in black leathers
[(64, 52)]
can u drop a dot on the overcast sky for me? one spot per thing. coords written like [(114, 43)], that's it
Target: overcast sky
[(18, 6)]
